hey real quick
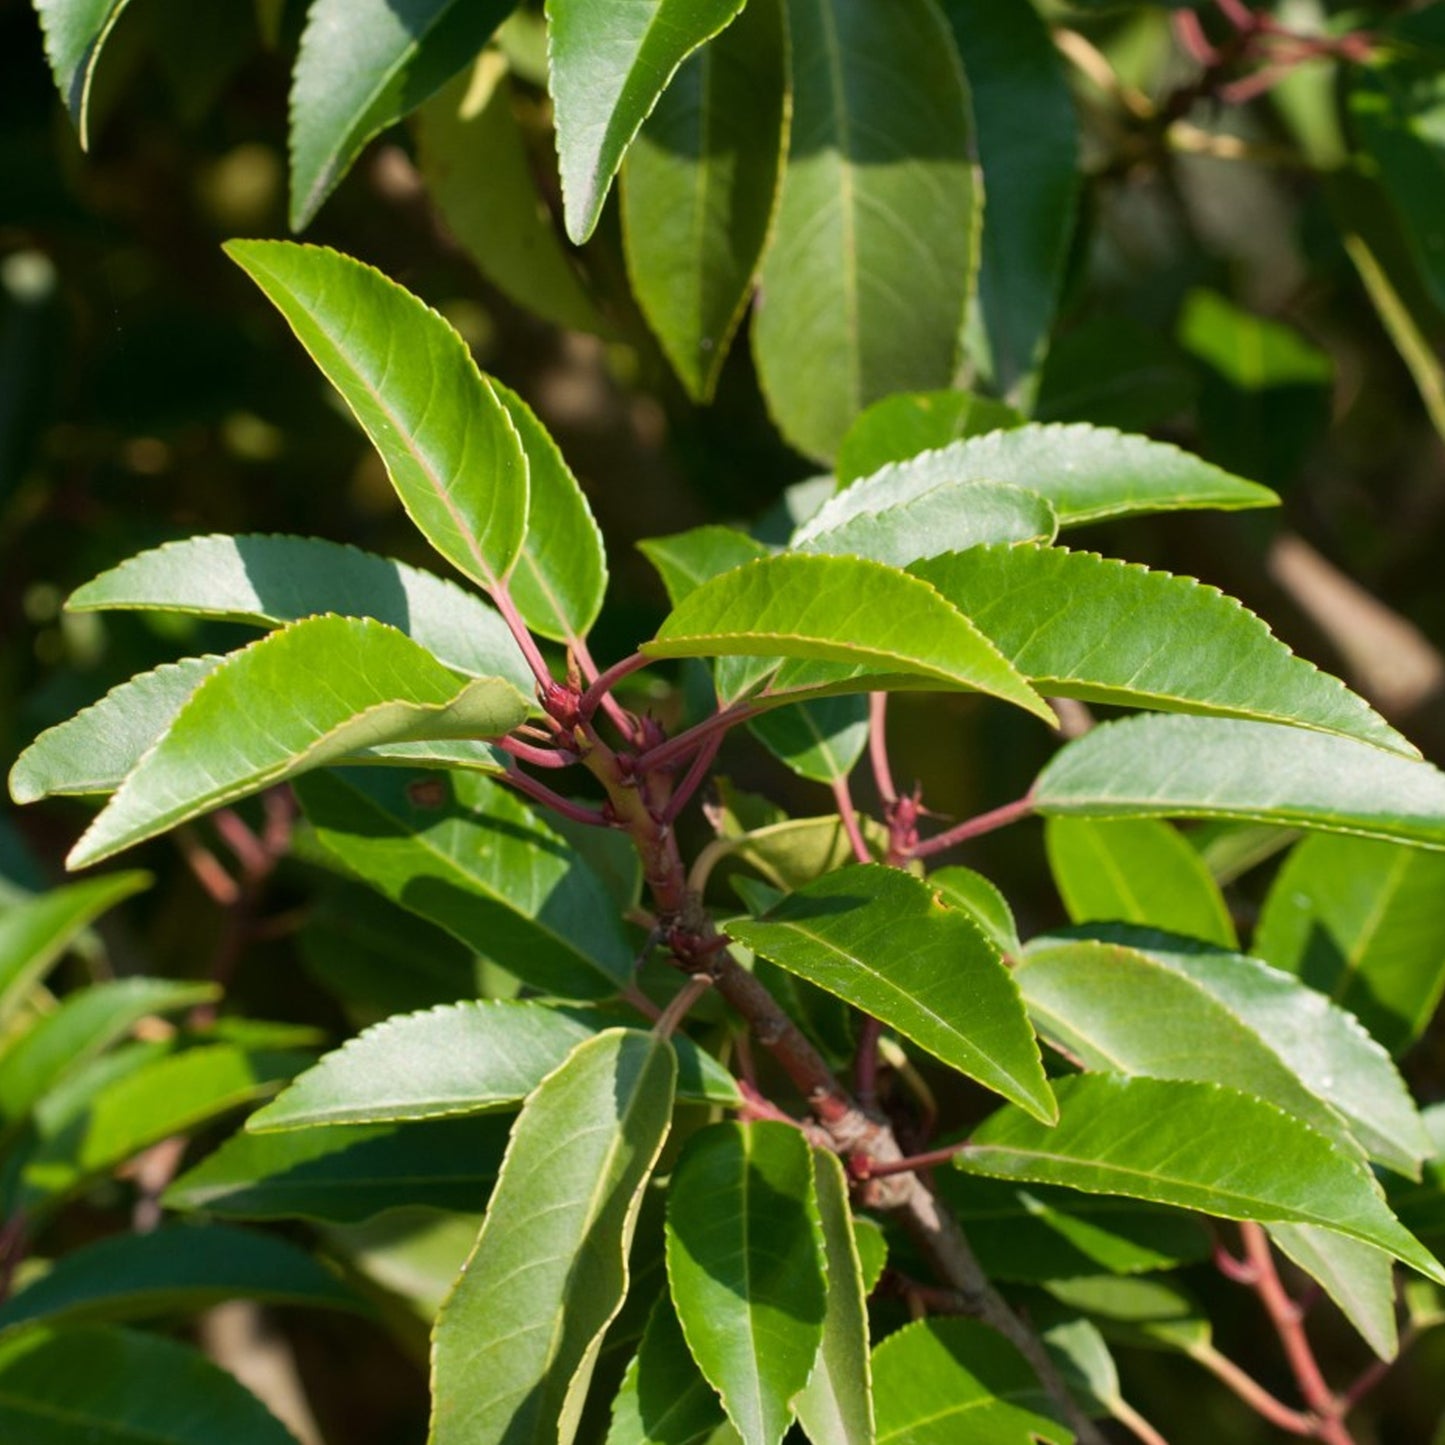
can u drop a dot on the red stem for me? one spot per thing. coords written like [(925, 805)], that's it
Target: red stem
[(602, 684), (865, 1062), (849, 814), (868, 1169), (538, 757), (524, 639), (685, 743), (693, 779), (878, 746), (974, 828), (1265, 1405), (540, 793)]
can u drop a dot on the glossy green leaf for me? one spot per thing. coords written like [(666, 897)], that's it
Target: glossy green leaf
[(449, 444), (75, 34), (609, 66), (471, 856), (819, 740), (901, 426), (1028, 146), (306, 695), (746, 1267), (109, 1386), (364, 66), (1361, 921), (1196, 1146), (1359, 1278), (35, 933), (686, 560), (982, 900), (139, 1276), (839, 609), (271, 580), (880, 939), (1197, 767), (942, 1381), (1138, 638), (871, 257), (1085, 473), (346, 1173), (1136, 870), (699, 189), (836, 1405), (664, 1399), (516, 1340)]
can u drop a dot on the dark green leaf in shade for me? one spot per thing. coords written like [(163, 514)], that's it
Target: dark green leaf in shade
[(75, 33), (901, 426), (664, 1399), (1205, 767), (516, 1340), (686, 560), (875, 241), (747, 1270), (1112, 371), (699, 189), (1145, 1312), (414, 1255), (819, 740), (880, 939), (1361, 921)]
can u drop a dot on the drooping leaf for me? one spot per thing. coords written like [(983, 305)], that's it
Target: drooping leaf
[(981, 898), (471, 856), (664, 1399), (271, 580), (109, 1386), (1079, 625), (1361, 921), (699, 189), (1198, 767), (516, 1340), (686, 560), (1359, 1278), (819, 740), (1136, 870), (75, 34), (901, 426), (609, 66), (880, 939), (874, 244), (839, 609), (746, 1268), (364, 66), (309, 694), (1197, 1146), (449, 444)]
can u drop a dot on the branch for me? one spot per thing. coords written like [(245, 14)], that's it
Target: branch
[(974, 828), (1265, 1405), (664, 755)]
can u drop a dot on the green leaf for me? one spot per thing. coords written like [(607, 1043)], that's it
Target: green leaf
[(844, 610), (449, 444), (1361, 921), (836, 1405), (116, 1387), (75, 34), (309, 694), (1138, 638), (942, 1381), (180, 1269), (469, 855), (1112, 371), (746, 1266), (796, 851), (269, 581), (880, 939), (1144, 1313), (686, 560), (1358, 1277), (1028, 146), (699, 190), (819, 740), (874, 245), (1085, 473), (664, 1399), (1196, 767), (1196, 1146), (35, 933), (346, 1173), (901, 426), (981, 899), (466, 1058), (363, 66), (609, 66), (516, 1340), (1136, 870)]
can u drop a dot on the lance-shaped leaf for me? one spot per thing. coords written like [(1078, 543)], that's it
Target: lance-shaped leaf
[(110, 1386), (449, 444), (1079, 625), (1085, 473), (836, 1405), (137, 1276), (363, 66), (699, 190), (874, 245), (664, 1399), (469, 855), (942, 1381), (1361, 921), (270, 580), (307, 695), (75, 33), (840, 609), (746, 1268), (609, 66), (901, 426), (881, 939), (346, 1173), (516, 1340), (35, 933), (465, 1058), (1197, 1146), (1198, 767), (1358, 1277)]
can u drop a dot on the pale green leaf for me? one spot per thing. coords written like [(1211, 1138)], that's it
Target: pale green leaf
[(901, 426), (75, 34)]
